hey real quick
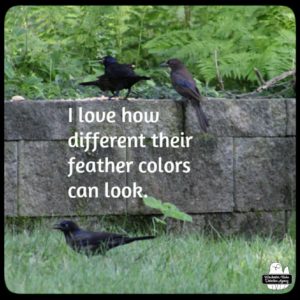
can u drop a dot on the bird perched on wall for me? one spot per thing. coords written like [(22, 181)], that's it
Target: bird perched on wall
[(116, 77), (91, 243), (102, 83), (121, 76), (185, 85)]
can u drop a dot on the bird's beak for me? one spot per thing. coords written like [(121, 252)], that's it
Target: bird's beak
[(164, 65), (57, 226), (101, 60)]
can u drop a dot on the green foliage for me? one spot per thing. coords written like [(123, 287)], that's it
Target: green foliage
[(39, 261), (50, 49), (169, 210), (244, 38)]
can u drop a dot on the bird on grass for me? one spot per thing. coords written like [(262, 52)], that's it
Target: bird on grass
[(185, 85), (116, 77), (92, 243)]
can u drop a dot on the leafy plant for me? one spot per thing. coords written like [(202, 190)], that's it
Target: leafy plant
[(50, 49), (168, 210)]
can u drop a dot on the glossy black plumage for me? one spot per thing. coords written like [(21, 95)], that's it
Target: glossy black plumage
[(103, 83), (121, 76), (91, 243), (185, 85), (116, 77)]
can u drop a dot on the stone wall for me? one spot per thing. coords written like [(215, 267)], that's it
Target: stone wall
[(242, 177)]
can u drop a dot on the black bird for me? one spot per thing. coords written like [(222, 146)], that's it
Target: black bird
[(91, 243), (185, 85), (121, 76), (103, 83)]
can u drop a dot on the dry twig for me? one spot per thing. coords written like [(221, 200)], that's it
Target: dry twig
[(272, 81), (259, 76)]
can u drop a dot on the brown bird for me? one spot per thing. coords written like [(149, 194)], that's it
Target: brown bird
[(91, 243), (183, 82)]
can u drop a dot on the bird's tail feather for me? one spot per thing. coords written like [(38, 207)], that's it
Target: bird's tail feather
[(129, 240), (202, 119), (89, 83)]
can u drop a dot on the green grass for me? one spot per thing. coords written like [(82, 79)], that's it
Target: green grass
[(38, 261)]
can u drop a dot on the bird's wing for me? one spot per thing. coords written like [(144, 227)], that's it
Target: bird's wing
[(85, 238), (116, 71), (186, 87), (105, 84)]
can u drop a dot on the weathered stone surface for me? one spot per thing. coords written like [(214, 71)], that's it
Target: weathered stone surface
[(177, 226), (44, 181), (248, 223), (243, 117), (242, 176), (262, 176), (208, 187), (105, 127), (10, 178), (170, 117), (292, 171), (291, 112), (37, 120), (217, 112), (48, 120)]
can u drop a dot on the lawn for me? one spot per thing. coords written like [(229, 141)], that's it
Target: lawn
[(38, 261)]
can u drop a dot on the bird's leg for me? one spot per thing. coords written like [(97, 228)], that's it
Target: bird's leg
[(105, 94), (129, 90), (115, 94)]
